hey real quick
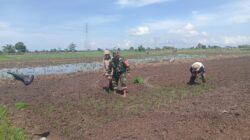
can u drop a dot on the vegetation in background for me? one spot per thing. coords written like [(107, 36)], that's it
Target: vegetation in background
[(7, 131), (72, 47), (19, 47), (9, 49), (71, 53)]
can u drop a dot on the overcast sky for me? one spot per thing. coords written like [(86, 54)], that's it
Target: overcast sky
[(47, 24)]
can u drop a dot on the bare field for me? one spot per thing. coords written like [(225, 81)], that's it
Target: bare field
[(74, 106)]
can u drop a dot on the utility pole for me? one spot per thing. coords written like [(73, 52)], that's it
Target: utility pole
[(86, 45)]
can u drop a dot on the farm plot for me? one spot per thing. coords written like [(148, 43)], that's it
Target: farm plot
[(74, 106)]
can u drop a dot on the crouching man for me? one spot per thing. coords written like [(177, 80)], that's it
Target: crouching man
[(120, 68), (195, 69)]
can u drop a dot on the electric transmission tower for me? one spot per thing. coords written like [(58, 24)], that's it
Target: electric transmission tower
[(86, 45)]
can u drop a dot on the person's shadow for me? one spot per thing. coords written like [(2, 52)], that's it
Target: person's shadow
[(45, 134)]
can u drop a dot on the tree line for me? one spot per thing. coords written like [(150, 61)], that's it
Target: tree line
[(19, 47), (202, 46)]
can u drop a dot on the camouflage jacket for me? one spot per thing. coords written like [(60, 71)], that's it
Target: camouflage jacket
[(118, 67)]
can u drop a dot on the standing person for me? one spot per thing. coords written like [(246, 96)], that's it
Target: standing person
[(195, 69), (120, 68), (106, 63)]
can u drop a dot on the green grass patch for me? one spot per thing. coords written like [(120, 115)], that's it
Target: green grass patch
[(21, 105), (138, 80), (7, 131)]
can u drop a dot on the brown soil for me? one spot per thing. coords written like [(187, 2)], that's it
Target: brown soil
[(58, 104)]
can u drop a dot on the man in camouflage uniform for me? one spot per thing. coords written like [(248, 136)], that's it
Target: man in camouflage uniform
[(106, 62), (120, 68), (195, 69)]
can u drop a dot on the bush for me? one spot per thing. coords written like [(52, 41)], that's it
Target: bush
[(138, 80)]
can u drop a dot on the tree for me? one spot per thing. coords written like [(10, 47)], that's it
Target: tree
[(141, 48), (20, 47), (214, 47), (168, 48), (72, 47), (131, 48), (53, 50), (9, 48), (201, 46), (99, 49), (244, 46), (157, 49)]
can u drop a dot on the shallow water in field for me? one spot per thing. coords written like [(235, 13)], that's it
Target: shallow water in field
[(85, 67)]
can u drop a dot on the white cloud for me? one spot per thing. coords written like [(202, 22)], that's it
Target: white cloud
[(140, 31), (175, 27), (239, 19), (125, 44), (138, 3), (204, 33), (236, 40), (237, 12), (6, 30), (3, 25), (190, 30)]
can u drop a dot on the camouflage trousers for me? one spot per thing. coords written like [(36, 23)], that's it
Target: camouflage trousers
[(119, 77)]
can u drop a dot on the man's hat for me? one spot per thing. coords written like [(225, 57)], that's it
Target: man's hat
[(196, 66), (106, 52)]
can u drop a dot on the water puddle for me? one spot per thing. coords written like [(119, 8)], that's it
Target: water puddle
[(84, 67)]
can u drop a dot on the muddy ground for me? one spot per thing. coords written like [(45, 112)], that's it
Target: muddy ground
[(74, 106)]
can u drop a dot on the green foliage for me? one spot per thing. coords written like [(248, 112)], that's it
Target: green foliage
[(9, 48), (72, 47), (7, 131), (21, 105), (53, 50), (99, 49), (20, 47), (214, 47), (244, 46), (138, 80), (3, 111), (128, 54), (168, 47), (201, 46), (141, 48)]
